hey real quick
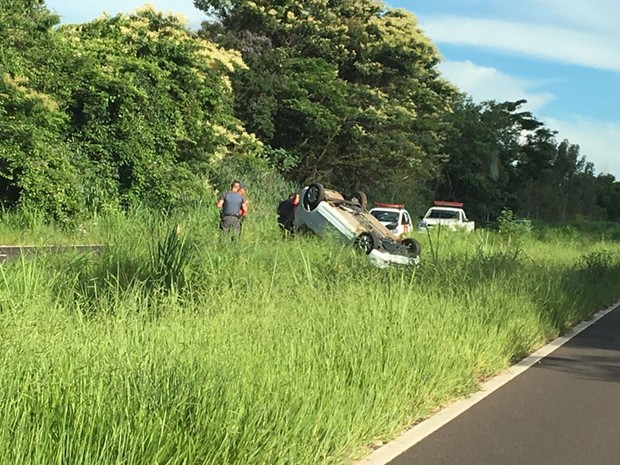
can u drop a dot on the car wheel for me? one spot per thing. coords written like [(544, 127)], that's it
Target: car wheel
[(412, 246), (365, 242), (361, 198), (314, 195)]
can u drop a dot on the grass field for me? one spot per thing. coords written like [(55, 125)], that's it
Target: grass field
[(188, 349)]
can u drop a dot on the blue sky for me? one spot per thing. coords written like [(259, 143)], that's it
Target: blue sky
[(562, 56)]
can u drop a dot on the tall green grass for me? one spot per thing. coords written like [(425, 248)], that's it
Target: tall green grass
[(175, 346)]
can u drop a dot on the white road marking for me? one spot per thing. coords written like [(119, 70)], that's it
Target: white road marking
[(409, 438)]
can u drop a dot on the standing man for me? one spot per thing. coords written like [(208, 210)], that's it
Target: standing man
[(286, 213), (231, 203)]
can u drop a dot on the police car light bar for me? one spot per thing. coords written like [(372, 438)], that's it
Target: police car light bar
[(389, 205), (445, 203)]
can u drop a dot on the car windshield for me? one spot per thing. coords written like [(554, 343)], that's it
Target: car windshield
[(442, 214), (385, 216)]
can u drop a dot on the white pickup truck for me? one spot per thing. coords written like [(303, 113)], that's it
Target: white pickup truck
[(448, 214)]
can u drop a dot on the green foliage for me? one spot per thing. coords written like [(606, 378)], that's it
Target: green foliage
[(136, 109), (509, 226), (36, 170), (278, 352), (482, 149), (122, 110), (598, 261), (150, 106), (169, 260), (501, 156), (513, 232), (348, 90), (607, 191)]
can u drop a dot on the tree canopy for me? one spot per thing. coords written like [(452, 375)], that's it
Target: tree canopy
[(137, 108), (123, 109), (503, 157), (347, 91)]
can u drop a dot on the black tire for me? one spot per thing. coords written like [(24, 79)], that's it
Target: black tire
[(361, 198), (366, 243), (412, 246), (315, 194)]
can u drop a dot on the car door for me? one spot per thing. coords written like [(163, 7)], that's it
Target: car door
[(406, 222)]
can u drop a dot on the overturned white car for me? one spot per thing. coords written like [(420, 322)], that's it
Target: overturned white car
[(329, 213)]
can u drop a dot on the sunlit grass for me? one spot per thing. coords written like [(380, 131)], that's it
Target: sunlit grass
[(266, 351)]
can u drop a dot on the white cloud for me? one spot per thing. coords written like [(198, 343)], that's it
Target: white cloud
[(595, 15), (485, 83), (73, 11), (591, 49), (599, 141)]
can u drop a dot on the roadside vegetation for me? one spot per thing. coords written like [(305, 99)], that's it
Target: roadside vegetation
[(137, 109), (174, 346)]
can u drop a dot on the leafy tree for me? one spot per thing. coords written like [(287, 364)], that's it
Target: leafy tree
[(484, 150), (133, 108), (608, 195), (503, 157), (535, 173), (567, 181), (150, 107), (35, 162), (555, 181), (347, 90)]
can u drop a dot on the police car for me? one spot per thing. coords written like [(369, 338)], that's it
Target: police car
[(328, 213), (393, 216), (447, 214)]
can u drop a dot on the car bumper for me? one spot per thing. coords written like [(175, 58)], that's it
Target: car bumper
[(384, 259)]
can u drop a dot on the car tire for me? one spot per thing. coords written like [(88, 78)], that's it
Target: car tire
[(412, 246), (314, 195), (361, 198), (366, 242)]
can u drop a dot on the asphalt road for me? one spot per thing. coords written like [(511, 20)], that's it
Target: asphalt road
[(564, 410)]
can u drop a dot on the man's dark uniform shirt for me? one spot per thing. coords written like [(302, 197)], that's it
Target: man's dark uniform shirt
[(286, 213)]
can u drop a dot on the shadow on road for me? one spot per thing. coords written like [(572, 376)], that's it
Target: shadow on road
[(594, 354)]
